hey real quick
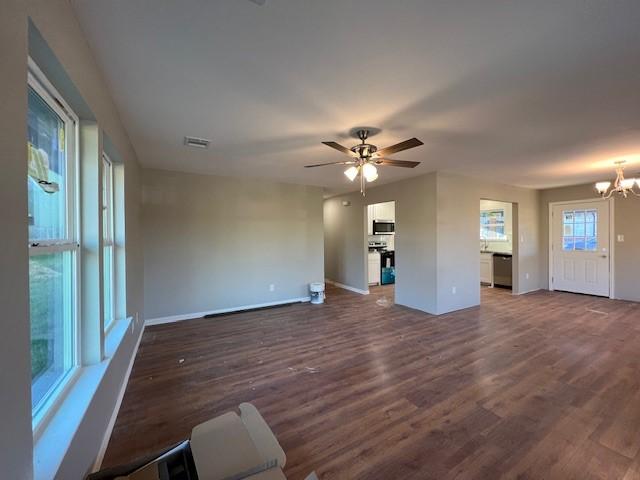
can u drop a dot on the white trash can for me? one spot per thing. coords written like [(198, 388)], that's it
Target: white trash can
[(316, 290)]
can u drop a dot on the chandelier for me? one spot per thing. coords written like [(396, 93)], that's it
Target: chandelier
[(621, 186)]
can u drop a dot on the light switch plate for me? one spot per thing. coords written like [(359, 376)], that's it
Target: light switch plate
[(620, 238)]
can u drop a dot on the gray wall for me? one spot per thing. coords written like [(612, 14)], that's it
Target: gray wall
[(57, 22), (415, 240), (626, 222), (437, 246), (218, 242), (458, 246), (15, 374)]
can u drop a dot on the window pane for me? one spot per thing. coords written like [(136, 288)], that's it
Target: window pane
[(567, 243), (580, 230), (47, 171), (51, 314), (108, 286)]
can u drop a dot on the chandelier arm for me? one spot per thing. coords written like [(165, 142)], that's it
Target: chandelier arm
[(610, 194)]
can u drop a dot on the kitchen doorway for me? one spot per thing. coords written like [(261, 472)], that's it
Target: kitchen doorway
[(498, 251), (381, 256)]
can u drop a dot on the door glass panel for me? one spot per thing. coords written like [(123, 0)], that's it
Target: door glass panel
[(580, 230)]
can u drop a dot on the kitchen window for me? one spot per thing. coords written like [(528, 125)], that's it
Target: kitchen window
[(108, 242), (53, 244), (492, 225)]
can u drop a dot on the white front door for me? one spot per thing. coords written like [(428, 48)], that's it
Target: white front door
[(580, 247)]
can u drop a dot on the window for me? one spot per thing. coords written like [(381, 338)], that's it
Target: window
[(107, 242), (53, 244), (492, 226), (580, 230)]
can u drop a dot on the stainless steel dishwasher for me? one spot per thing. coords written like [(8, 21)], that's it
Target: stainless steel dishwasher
[(502, 270)]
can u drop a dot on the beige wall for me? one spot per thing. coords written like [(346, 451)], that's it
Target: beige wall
[(626, 222), (57, 23), (437, 247), (215, 242)]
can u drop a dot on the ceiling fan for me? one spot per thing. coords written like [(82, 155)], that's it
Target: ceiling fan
[(366, 157)]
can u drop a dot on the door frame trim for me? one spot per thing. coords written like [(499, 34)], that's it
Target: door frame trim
[(611, 203)]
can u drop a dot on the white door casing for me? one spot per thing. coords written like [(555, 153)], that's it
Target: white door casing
[(580, 248)]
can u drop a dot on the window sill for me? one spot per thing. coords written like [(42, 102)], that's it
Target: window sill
[(56, 437)]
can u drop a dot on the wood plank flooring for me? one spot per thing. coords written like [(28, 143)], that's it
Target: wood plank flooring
[(541, 386)]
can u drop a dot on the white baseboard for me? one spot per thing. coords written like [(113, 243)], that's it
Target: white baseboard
[(116, 408), (191, 316), (529, 291), (346, 287)]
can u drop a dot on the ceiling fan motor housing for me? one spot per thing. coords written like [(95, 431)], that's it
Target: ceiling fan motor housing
[(364, 150)]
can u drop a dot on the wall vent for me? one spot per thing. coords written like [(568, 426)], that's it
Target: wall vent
[(196, 142)]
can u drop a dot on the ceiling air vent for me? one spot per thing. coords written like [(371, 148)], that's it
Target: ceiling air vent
[(196, 142)]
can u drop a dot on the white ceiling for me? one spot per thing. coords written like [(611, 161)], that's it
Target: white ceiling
[(532, 93)]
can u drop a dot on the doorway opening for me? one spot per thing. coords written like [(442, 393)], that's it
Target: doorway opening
[(381, 255), (498, 253), (581, 247)]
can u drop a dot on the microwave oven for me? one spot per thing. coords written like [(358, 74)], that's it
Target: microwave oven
[(383, 228)]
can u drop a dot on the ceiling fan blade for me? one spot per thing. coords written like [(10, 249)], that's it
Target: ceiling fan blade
[(396, 163), (330, 163), (340, 148), (398, 147)]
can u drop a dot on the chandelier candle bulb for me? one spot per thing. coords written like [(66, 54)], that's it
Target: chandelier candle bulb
[(602, 187), (628, 183)]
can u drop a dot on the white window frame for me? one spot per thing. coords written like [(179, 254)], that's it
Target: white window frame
[(45, 409), (108, 237), (494, 225)]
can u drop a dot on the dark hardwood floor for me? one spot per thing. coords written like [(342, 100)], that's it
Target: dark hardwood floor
[(541, 386)]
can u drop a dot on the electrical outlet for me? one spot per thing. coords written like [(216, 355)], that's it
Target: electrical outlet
[(272, 287), (526, 275), (454, 290)]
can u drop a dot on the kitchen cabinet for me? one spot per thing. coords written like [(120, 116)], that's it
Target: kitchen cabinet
[(374, 268), (385, 211), (380, 212), (486, 268)]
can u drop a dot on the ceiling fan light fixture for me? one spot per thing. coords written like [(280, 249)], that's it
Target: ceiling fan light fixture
[(351, 173), (370, 172)]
